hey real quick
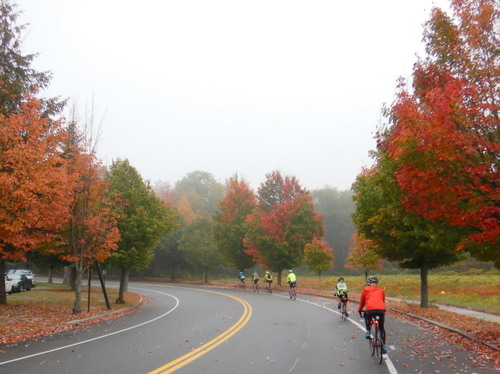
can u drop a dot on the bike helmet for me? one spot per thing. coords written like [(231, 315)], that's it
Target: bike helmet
[(341, 279), (372, 280), (290, 271), (267, 271)]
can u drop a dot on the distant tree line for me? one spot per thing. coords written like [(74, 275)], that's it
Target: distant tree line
[(430, 198)]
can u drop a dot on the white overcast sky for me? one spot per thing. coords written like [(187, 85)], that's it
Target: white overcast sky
[(229, 86)]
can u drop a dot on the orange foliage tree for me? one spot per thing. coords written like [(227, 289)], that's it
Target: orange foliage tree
[(34, 184), (445, 134), (91, 234), (362, 255), (282, 224), (230, 222), (318, 257)]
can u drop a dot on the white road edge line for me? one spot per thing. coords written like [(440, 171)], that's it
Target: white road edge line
[(387, 360), (294, 364), (103, 336)]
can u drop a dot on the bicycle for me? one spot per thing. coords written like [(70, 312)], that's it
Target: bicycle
[(269, 288), (255, 286), (293, 292), (343, 305), (375, 341), (343, 310)]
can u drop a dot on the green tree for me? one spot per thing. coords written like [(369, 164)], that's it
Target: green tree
[(230, 223), (168, 257), (202, 192), (144, 220), (399, 235), (282, 224), (18, 79), (199, 248), (318, 257)]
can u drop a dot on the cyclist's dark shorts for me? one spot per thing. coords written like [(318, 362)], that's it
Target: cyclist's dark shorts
[(293, 284)]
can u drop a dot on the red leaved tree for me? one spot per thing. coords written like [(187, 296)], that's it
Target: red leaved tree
[(91, 233), (282, 224), (34, 184), (445, 134), (230, 222)]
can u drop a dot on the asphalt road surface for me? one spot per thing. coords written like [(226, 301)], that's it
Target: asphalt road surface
[(202, 330)]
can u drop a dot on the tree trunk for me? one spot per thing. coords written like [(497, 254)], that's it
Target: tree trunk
[(279, 276), (206, 276), (123, 286), (3, 291), (77, 270), (424, 289), (50, 280), (66, 275), (73, 275)]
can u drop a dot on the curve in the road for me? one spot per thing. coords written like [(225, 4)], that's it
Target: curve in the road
[(102, 336), (207, 347)]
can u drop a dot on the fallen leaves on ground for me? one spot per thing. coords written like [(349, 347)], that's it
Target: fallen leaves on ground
[(29, 320), (482, 330)]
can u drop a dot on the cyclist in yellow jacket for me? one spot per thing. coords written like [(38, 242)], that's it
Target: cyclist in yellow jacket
[(291, 279)]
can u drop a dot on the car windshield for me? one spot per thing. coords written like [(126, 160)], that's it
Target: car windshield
[(19, 271)]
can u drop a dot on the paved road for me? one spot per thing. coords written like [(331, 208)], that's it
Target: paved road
[(189, 330)]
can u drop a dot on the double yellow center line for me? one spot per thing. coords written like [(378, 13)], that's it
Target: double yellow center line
[(207, 347)]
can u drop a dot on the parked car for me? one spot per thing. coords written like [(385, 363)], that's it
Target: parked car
[(28, 273), (8, 284), (20, 282)]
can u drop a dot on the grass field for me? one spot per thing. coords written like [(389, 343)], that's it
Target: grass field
[(61, 295), (481, 292)]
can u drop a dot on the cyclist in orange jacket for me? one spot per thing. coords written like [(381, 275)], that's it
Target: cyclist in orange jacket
[(373, 301)]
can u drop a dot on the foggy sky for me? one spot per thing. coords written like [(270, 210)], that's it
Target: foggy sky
[(230, 86)]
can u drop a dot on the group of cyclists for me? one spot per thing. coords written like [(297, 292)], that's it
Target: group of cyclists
[(268, 279), (371, 303)]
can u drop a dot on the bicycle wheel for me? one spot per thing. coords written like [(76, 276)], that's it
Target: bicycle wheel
[(377, 344), (343, 311), (294, 293)]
